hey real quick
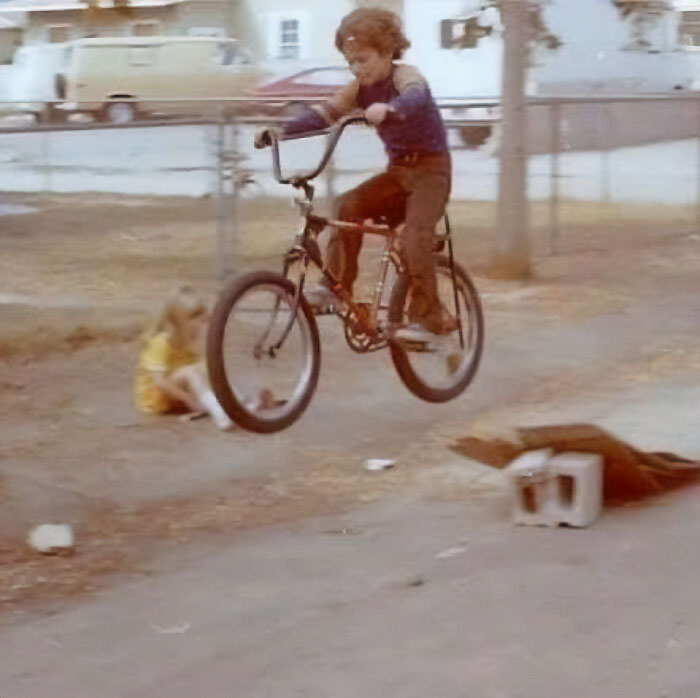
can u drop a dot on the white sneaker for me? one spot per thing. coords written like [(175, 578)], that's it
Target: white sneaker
[(319, 296), (415, 332)]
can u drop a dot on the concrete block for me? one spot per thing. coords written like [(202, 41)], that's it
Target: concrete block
[(579, 487), (546, 490), (528, 484)]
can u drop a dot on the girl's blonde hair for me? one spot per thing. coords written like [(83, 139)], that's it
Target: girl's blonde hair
[(370, 26), (182, 307)]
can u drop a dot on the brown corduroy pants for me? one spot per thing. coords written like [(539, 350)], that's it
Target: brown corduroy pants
[(416, 195)]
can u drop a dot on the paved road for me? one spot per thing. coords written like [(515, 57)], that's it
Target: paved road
[(433, 593), (417, 599)]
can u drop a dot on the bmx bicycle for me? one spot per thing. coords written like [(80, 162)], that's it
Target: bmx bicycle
[(263, 347)]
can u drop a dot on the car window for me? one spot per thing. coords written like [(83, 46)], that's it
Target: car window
[(333, 76)]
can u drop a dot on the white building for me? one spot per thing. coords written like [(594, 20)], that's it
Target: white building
[(600, 49)]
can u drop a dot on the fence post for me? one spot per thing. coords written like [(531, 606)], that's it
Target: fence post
[(605, 158), (229, 185), (46, 157), (554, 179), (220, 261), (236, 176), (697, 171)]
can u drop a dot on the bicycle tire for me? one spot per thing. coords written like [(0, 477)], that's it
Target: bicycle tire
[(233, 406), (400, 355)]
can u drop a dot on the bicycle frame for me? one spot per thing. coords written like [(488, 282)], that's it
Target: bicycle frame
[(357, 316)]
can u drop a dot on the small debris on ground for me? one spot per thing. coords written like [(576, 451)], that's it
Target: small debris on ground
[(51, 538), (375, 464), (451, 552)]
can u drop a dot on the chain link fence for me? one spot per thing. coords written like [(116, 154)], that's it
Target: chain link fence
[(190, 197)]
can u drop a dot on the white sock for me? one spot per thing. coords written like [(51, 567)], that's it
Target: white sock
[(215, 410)]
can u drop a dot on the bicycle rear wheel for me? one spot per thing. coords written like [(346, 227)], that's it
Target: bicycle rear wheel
[(441, 371), (263, 359)]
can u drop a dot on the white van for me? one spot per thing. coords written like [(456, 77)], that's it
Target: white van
[(31, 80), (120, 78)]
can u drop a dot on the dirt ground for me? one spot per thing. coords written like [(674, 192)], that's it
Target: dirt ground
[(82, 275)]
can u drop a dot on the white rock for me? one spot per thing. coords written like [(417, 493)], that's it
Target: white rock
[(50, 538), (379, 463)]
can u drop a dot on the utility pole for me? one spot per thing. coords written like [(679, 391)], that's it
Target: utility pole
[(513, 243)]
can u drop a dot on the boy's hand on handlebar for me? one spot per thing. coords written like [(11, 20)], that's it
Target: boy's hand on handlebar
[(378, 112), (263, 138)]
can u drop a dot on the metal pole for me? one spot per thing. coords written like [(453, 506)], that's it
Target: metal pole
[(697, 172), (513, 244), (605, 194), (330, 182), (554, 179), (46, 157), (236, 174), (220, 261)]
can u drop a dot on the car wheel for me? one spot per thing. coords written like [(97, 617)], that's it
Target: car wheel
[(51, 115), (295, 109), (475, 136), (119, 112)]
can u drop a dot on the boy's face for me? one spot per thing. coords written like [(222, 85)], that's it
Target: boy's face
[(367, 64)]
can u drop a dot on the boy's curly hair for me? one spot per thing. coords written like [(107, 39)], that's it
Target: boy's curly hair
[(371, 26)]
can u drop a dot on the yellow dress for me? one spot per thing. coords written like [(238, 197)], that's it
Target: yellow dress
[(158, 355)]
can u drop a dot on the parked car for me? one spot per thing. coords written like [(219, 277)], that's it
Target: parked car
[(119, 79), (314, 82), (31, 80), (289, 93), (474, 123)]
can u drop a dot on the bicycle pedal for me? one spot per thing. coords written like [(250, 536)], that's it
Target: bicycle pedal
[(424, 347)]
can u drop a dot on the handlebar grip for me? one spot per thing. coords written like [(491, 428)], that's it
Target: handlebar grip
[(263, 139)]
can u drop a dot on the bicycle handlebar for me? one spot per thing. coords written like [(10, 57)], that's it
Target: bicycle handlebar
[(334, 132)]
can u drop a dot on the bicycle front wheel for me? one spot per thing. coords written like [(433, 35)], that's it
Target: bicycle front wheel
[(441, 371), (263, 357)]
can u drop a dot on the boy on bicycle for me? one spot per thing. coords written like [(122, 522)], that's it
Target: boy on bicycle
[(415, 187)]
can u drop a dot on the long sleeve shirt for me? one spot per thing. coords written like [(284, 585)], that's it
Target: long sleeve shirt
[(406, 90)]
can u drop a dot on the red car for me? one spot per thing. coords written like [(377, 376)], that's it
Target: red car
[(293, 90), (314, 82)]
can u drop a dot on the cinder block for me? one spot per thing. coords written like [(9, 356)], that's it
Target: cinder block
[(579, 487), (551, 490), (529, 487)]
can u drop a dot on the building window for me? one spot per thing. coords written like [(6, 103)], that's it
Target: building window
[(290, 44), (58, 33), (146, 27), (287, 35), (689, 30)]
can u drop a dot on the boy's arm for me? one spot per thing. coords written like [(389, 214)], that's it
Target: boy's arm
[(321, 116), (412, 88)]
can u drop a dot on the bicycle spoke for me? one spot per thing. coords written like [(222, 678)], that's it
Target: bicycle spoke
[(266, 352)]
